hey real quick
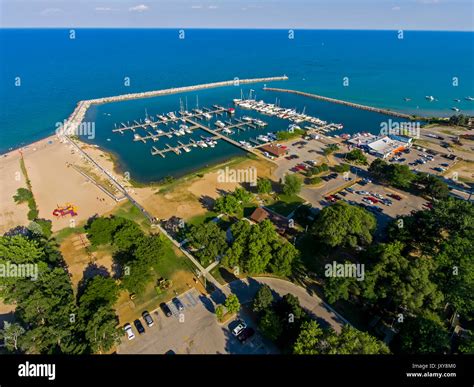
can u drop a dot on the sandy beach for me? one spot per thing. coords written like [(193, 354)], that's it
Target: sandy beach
[(54, 169), (54, 183)]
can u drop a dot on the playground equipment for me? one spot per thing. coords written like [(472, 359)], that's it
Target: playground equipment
[(68, 209)]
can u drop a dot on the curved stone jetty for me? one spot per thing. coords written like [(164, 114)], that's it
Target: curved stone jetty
[(341, 102), (79, 112)]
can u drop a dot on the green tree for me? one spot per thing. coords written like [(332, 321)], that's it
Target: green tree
[(100, 230), (344, 225), (228, 204), (406, 282), (308, 339), (219, 312), (431, 185), (352, 342), (150, 249), (339, 288), (263, 299), (10, 334), (342, 168), (356, 156), (137, 275), (331, 148), (232, 303), (99, 291), (422, 335), (128, 236), (454, 273), (208, 240), (101, 331), (284, 254), (242, 195), (270, 325), (292, 185), (264, 186)]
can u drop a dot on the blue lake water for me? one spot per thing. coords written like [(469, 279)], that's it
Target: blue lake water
[(56, 72)]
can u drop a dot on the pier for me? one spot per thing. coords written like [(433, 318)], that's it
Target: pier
[(225, 138), (341, 102)]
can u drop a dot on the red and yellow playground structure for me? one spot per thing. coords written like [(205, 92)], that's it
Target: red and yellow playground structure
[(68, 209)]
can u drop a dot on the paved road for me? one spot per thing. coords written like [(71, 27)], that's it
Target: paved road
[(318, 309)]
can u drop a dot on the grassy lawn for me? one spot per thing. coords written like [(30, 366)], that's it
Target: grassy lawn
[(129, 211), (203, 218), (173, 266), (286, 204), (66, 232)]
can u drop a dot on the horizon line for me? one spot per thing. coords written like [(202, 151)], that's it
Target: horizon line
[(227, 28)]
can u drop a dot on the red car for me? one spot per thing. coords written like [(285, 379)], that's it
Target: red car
[(330, 198), (372, 199), (395, 196)]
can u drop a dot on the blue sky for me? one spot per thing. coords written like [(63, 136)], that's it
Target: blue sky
[(312, 14)]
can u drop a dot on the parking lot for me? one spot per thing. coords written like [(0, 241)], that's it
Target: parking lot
[(305, 150), (362, 191), (423, 161), (194, 330)]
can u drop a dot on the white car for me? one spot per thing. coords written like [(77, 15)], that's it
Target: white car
[(128, 330), (239, 328)]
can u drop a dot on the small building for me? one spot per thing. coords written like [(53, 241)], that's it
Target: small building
[(382, 147), (259, 215), (275, 150), (281, 223)]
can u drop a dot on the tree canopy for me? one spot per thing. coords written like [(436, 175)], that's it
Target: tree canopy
[(342, 224)]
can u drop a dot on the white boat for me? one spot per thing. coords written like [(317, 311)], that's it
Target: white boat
[(207, 116), (162, 118), (220, 124), (186, 149), (469, 98), (455, 109), (185, 128), (430, 98), (171, 115)]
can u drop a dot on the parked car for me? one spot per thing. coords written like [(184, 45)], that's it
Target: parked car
[(179, 305), (166, 310), (395, 196), (139, 326), (148, 319), (128, 330), (349, 189), (240, 325), (246, 334)]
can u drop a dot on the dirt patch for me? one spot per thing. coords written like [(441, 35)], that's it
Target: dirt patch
[(82, 263), (193, 197)]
